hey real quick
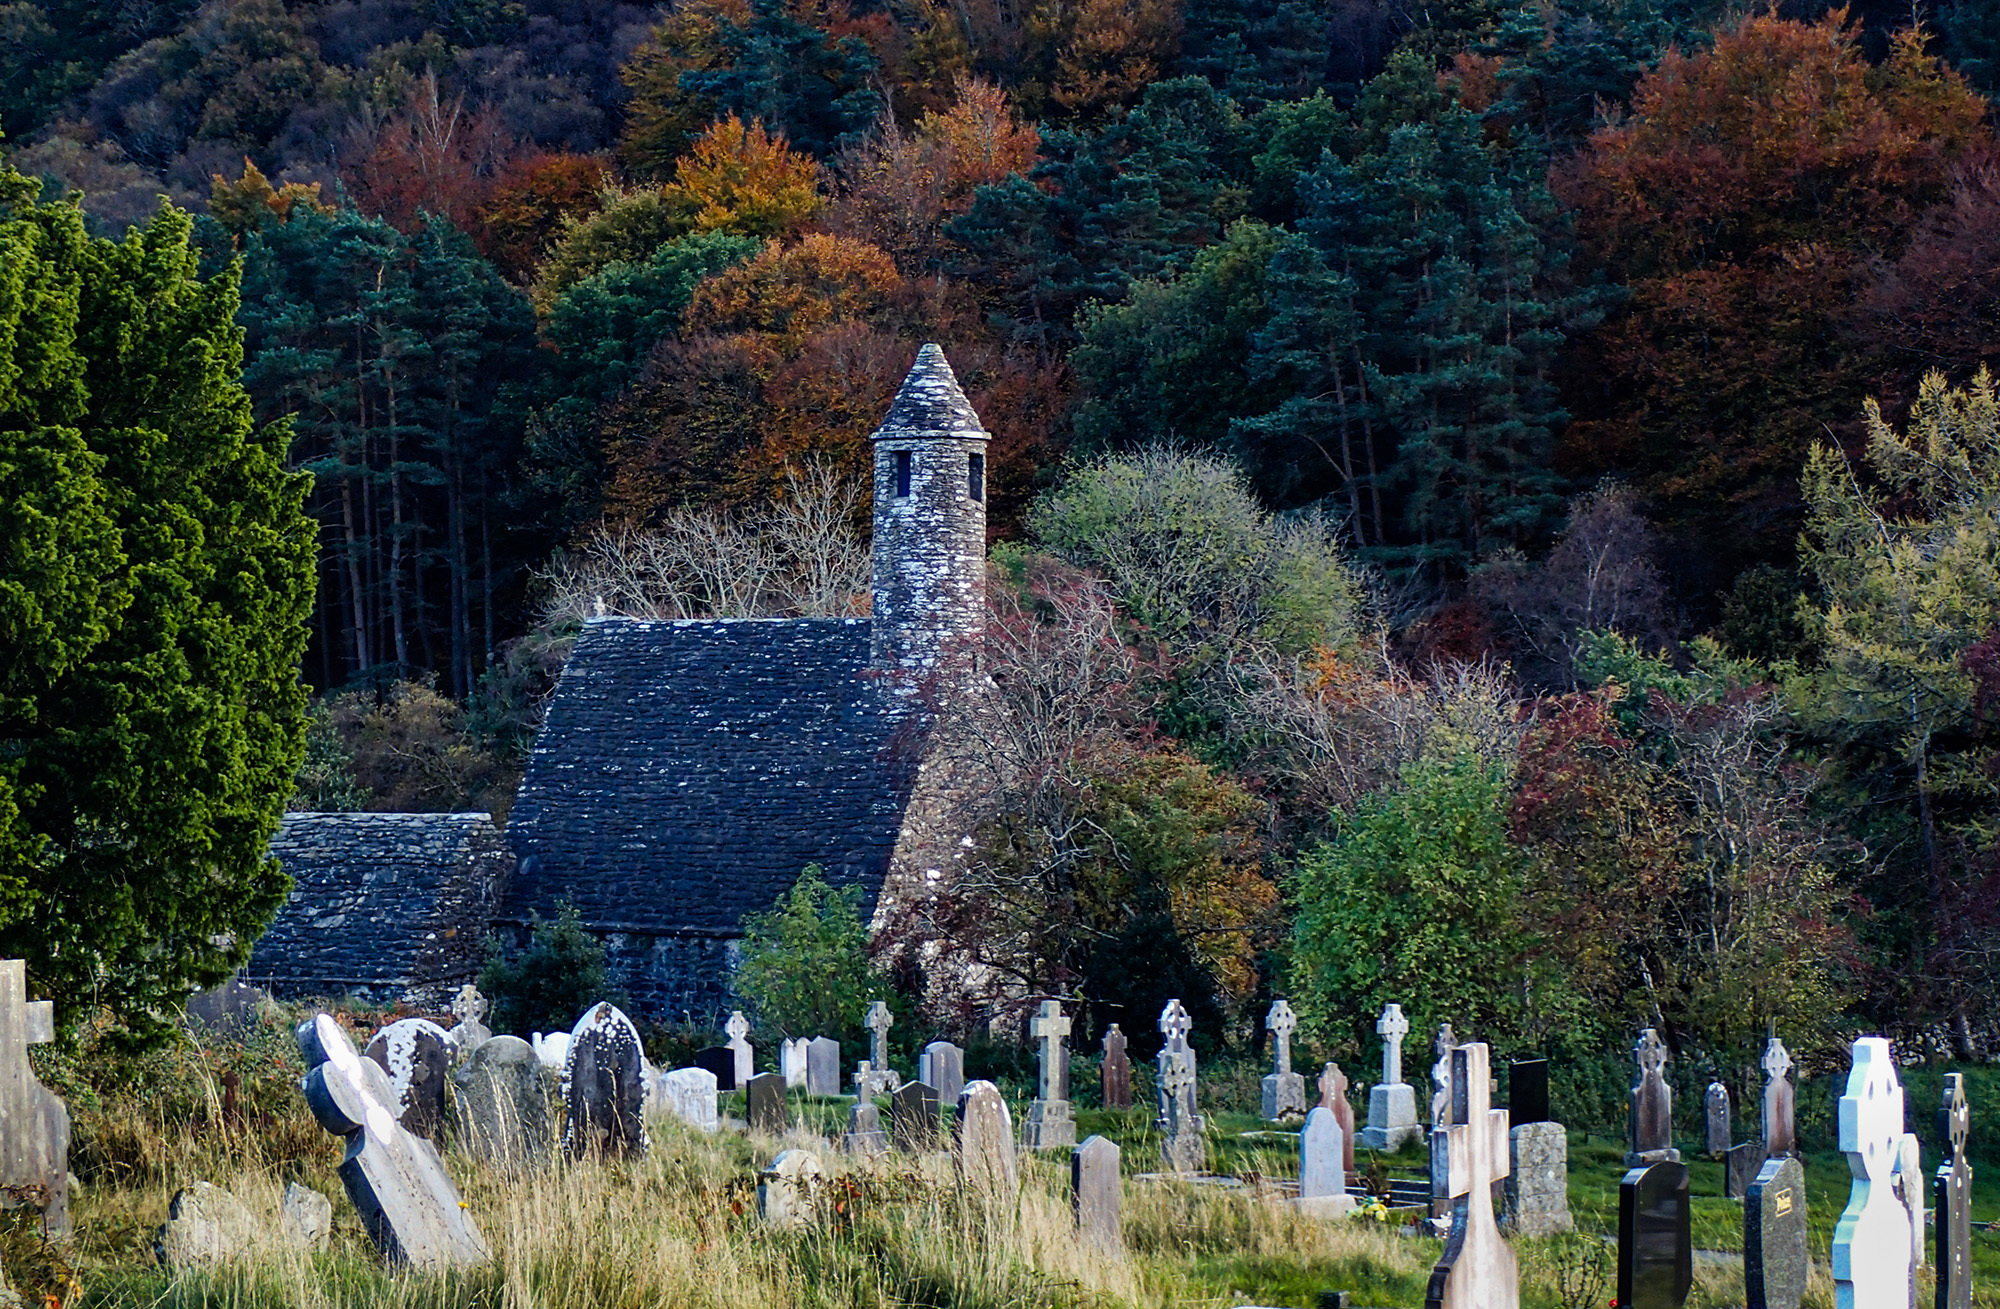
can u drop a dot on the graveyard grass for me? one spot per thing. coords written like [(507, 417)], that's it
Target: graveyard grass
[(681, 1226)]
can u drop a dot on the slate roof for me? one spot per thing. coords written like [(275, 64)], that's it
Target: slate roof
[(379, 903), (930, 402), (687, 771)]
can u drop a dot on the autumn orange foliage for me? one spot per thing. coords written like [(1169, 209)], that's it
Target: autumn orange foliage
[(737, 177)]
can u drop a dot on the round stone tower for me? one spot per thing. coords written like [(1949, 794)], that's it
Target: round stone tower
[(930, 519)]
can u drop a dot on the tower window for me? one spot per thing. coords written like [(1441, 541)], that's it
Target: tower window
[(902, 474), (975, 476)]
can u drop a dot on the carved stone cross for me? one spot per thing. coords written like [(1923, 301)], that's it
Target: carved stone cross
[(1393, 1027), (1282, 1023), (1049, 1026), (1441, 1077), (470, 1006), (1175, 1023), (880, 1020), (34, 1149), (1779, 1135), (1953, 1197), (1872, 1240), (737, 1027), (1477, 1269), (1652, 1101)]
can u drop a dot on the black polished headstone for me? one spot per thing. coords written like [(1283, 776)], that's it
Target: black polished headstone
[(1953, 1199), (913, 1118), (1655, 1243), (765, 1100), (1528, 1092), (1776, 1263), (720, 1060), (1739, 1168)]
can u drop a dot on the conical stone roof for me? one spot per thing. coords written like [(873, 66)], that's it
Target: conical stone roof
[(930, 403)]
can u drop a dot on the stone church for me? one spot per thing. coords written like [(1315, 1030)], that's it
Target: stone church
[(686, 772)]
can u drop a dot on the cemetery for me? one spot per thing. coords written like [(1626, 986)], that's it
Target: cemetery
[(291, 1154)]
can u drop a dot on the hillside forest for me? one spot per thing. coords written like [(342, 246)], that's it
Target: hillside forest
[(1493, 501)]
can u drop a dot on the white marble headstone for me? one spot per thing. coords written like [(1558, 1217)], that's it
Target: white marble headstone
[(1872, 1241)]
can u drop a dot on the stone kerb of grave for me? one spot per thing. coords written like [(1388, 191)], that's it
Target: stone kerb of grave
[(604, 1087), (503, 1105), (1872, 1240), (34, 1148), (395, 1180), (1392, 1104), (416, 1053), (1477, 1269)]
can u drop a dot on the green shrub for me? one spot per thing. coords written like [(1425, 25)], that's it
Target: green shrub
[(548, 985)]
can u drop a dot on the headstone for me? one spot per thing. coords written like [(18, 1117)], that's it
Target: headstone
[(416, 1054), (551, 1048), (1183, 1142), (1655, 1238), (34, 1148), (1284, 1090), (1776, 1260), (1322, 1170), (603, 1089), (823, 1066), (789, 1190), (1911, 1188), (395, 1179), (689, 1095), (913, 1118), (1441, 1119), (766, 1113), (1538, 1180), (942, 1064), (470, 1032), (1333, 1098), (737, 1029), (864, 1130), (1095, 1186), (1392, 1104), (1716, 1102), (1739, 1169), (1477, 1269), (1117, 1071), (1953, 1199), (208, 1225), (870, 1081), (1175, 1024), (503, 1105), (1779, 1135), (231, 1007), (878, 1022), (305, 1217), (1528, 1092), (1871, 1242), (719, 1060), (1050, 1124), (792, 1062), (1651, 1124), (986, 1139)]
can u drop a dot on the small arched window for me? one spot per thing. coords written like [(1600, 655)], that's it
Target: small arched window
[(975, 476)]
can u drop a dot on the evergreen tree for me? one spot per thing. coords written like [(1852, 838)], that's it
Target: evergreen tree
[(155, 600)]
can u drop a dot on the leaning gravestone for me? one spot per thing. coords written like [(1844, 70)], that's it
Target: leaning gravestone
[(470, 1031), (34, 1147), (1651, 1125), (1094, 1191), (1655, 1238), (1117, 1071), (1871, 1242), (737, 1029), (1183, 1143), (1780, 1137), (416, 1053), (395, 1179), (864, 1130), (985, 1139), (1954, 1199), (765, 1101), (503, 1105), (720, 1061), (689, 1094), (1739, 1169), (1050, 1124), (1333, 1098), (913, 1118), (1322, 1176), (1392, 1104), (1716, 1104), (604, 1087), (823, 1066), (1284, 1090), (1776, 1260), (942, 1064), (788, 1190), (1477, 1269)]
